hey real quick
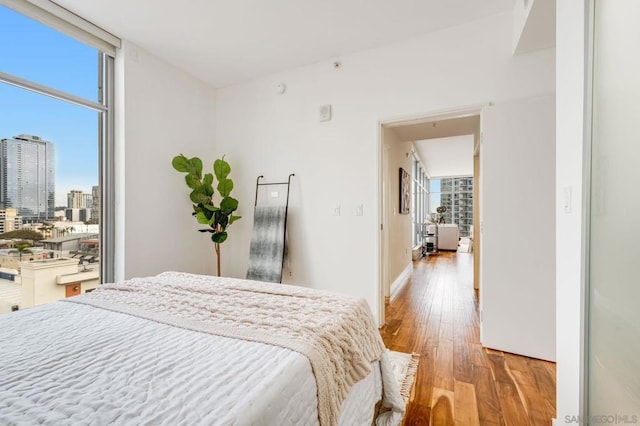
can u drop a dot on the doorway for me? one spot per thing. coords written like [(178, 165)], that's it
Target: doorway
[(400, 146)]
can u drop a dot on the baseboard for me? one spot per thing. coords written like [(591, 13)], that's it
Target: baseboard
[(402, 278)]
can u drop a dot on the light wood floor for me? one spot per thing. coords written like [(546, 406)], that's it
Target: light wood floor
[(459, 382)]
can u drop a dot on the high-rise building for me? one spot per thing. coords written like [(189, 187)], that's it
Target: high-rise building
[(95, 204), (456, 194), (78, 215), (76, 199), (27, 176)]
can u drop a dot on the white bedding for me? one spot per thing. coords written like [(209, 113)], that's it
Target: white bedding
[(82, 365)]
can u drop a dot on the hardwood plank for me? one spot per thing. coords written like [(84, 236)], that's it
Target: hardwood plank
[(417, 415), (551, 367), (536, 407), (423, 384), (442, 407), (462, 363), (446, 331), (478, 356), (546, 383), (433, 331), (516, 362), (489, 409), (443, 373), (436, 314), (462, 358), (466, 407), (405, 336), (513, 411), (498, 369), (392, 326)]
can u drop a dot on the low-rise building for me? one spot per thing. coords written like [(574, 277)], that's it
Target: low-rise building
[(70, 242), (10, 220), (10, 295), (45, 281), (10, 258)]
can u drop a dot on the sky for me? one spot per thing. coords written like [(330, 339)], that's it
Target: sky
[(37, 53)]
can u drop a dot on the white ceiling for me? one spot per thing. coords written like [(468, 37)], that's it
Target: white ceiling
[(226, 42), (445, 146), (437, 129), (444, 157)]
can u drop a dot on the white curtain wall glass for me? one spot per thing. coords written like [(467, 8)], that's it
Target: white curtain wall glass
[(63, 100), (613, 335)]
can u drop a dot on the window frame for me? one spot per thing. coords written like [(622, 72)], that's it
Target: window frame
[(53, 16)]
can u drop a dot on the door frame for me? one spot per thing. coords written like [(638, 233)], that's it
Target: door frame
[(383, 220)]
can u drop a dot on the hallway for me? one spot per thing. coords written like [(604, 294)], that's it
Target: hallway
[(459, 382)]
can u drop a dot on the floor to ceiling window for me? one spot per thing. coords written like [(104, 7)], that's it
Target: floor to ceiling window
[(56, 132), (456, 196), (420, 196)]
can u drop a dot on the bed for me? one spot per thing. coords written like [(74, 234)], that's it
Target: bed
[(190, 349)]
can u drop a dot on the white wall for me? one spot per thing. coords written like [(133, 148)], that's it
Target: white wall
[(517, 294), (336, 162), (570, 126), (400, 237), (161, 112)]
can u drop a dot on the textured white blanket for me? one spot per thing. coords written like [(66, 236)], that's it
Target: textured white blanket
[(336, 333)]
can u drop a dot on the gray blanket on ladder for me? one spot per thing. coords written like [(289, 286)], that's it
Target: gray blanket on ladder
[(267, 244)]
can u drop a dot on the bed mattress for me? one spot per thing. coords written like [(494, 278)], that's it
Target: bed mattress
[(70, 364)]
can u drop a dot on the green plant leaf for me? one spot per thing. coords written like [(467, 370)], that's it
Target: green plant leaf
[(192, 181), (219, 237), (207, 183), (180, 163), (225, 186), (196, 163), (223, 221), (228, 204), (198, 197), (202, 218), (211, 208), (221, 168), (205, 212)]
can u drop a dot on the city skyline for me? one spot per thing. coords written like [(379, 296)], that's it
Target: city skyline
[(37, 53)]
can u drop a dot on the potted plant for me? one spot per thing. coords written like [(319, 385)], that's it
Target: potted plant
[(217, 217)]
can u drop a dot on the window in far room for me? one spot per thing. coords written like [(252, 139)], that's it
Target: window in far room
[(420, 194)]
